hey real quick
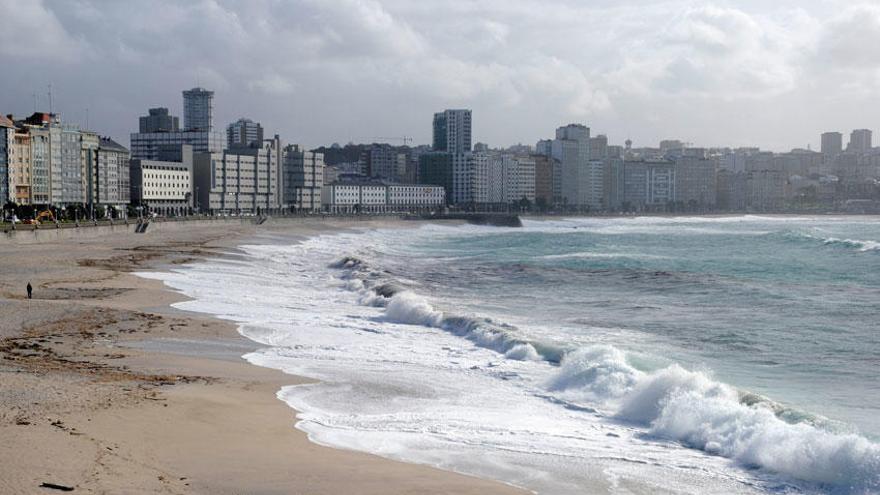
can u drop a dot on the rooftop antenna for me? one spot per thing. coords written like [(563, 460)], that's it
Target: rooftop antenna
[(87, 118), (35, 102), (50, 99)]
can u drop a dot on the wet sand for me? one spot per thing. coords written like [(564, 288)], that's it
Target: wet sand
[(106, 389)]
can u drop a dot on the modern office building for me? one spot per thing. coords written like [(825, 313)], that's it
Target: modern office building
[(452, 131), (245, 180), (302, 178), (198, 122), (159, 120), (242, 133), (198, 110), (164, 187), (832, 144), (435, 168), (860, 141), (148, 146)]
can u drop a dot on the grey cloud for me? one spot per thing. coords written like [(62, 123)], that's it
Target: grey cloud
[(322, 71)]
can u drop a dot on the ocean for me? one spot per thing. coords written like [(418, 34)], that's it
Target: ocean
[(583, 355)]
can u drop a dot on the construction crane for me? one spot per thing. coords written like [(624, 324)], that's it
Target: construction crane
[(404, 139)]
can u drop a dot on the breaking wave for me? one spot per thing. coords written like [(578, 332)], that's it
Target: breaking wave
[(691, 408), (852, 243), (671, 403), (856, 244)]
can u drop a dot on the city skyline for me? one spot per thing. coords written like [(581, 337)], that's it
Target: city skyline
[(360, 70)]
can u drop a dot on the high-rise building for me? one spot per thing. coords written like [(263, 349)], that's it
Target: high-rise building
[(860, 141), (159, 120), (435, 168), (544, 147), (505, 178), (571, 149), (40, 165), (384, 161), (112, 175), (198, 132), (832, 143), (452, 131), (46, 171), (302, 178), (647, 185), (22, 165), (519, 179), (695, 182), (73, 190), (7, 139), (599, 147), (243, 132), (89, 143), (466, 170), (543, 180), (198, 110)]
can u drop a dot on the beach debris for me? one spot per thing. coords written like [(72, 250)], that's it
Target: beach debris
[(55, 486)]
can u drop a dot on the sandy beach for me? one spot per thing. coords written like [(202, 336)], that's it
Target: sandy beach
[(104, 388)]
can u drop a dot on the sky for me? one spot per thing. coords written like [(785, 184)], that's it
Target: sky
[(711, 73)]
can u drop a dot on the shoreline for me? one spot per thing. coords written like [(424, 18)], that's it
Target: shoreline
[(107, 389)]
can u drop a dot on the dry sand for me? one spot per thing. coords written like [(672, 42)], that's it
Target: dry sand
[(106, 389)]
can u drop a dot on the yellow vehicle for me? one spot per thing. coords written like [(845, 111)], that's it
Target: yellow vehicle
[(45, 215)]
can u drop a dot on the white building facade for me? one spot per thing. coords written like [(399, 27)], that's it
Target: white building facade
[(370, 197), (164, 187)]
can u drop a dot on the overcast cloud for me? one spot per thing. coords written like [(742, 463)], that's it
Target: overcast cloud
[(319, 71)]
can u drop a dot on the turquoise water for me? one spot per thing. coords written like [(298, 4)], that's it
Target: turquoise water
[(590, 355), (780, 306)]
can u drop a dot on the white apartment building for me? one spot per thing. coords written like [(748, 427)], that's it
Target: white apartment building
[(164, 187), (354, 198), (373, 197), (505, 178), (406, 196), (571, 149), (519, 179), (469, 178)]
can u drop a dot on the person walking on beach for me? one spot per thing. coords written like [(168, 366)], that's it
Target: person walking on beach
[(30, 291)]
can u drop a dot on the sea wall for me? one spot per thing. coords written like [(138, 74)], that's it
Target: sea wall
[(31, 234)]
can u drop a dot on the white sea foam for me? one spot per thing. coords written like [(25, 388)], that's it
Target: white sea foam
[(853, 243), (399, 380), (702, 413)]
